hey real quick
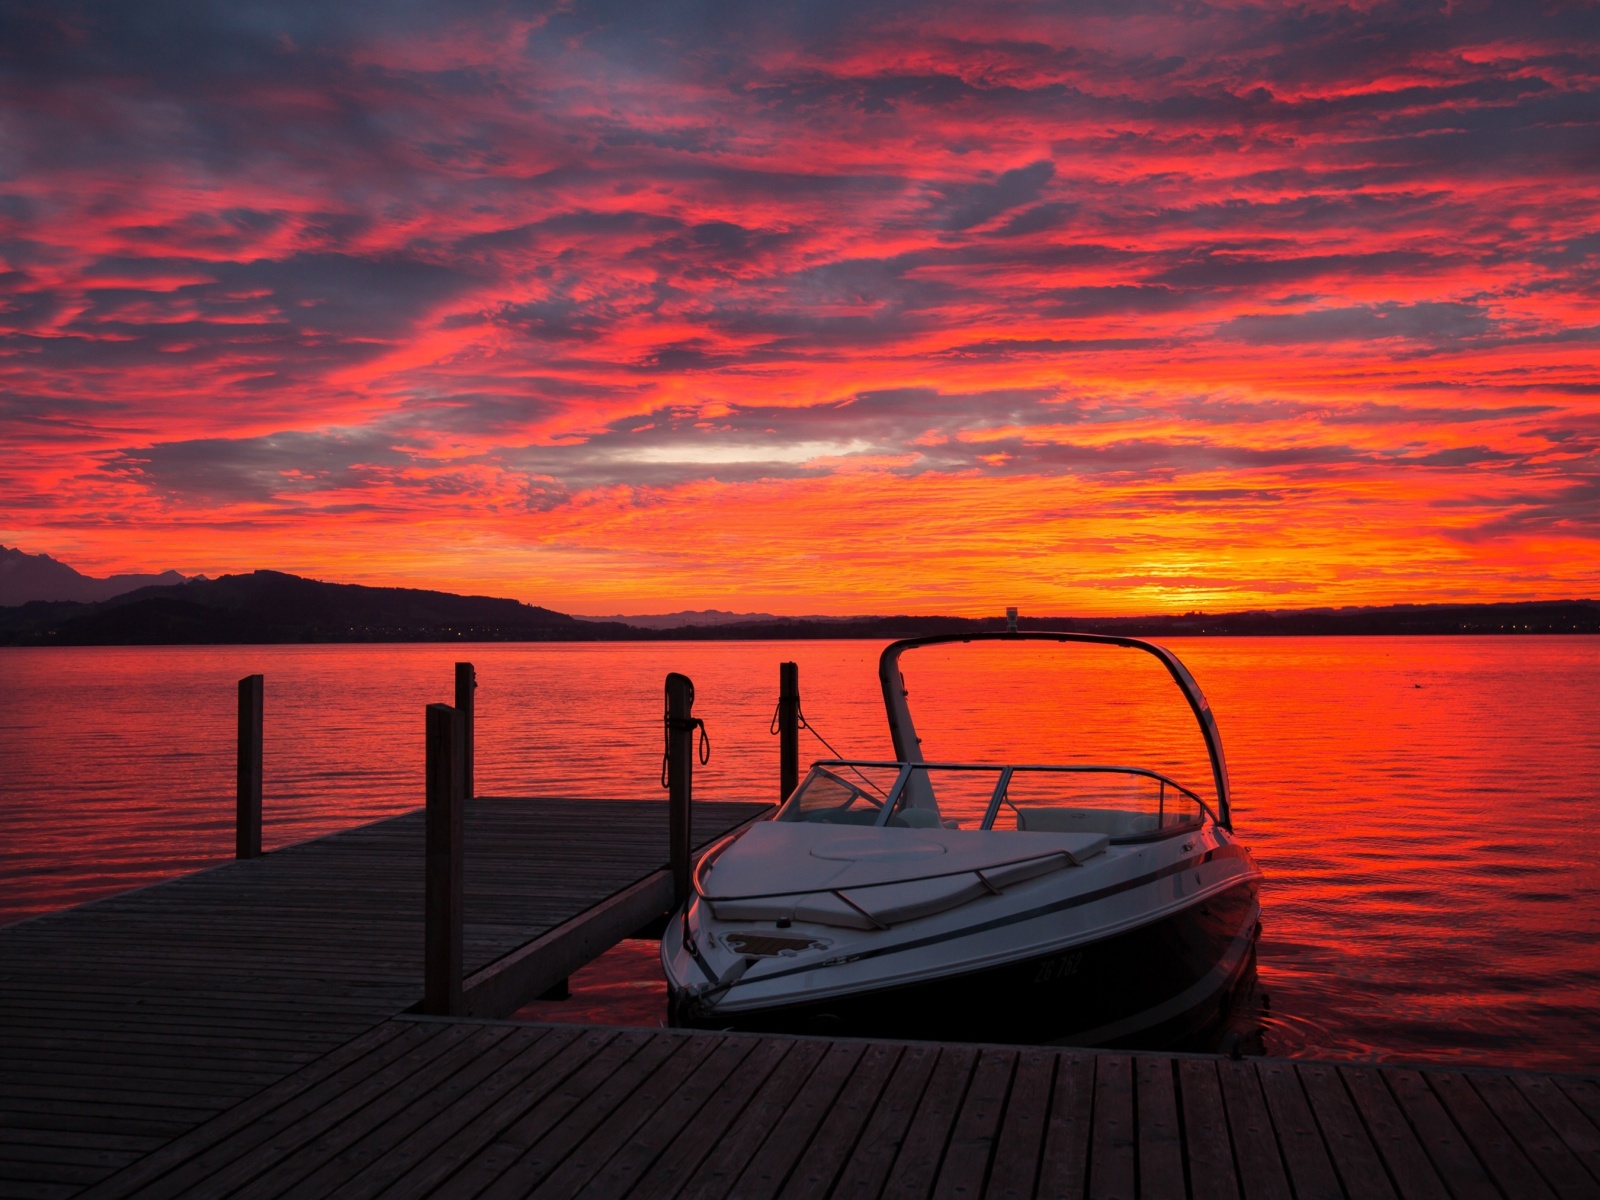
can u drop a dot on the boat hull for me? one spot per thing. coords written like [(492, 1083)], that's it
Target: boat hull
[(1165, 985)]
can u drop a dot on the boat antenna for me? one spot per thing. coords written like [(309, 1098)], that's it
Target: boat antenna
[(1011, 619)]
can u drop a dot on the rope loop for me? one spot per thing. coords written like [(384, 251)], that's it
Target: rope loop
[(800, 719), (689, 725)]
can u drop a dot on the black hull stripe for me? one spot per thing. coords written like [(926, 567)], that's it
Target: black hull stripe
[(1031, 914)]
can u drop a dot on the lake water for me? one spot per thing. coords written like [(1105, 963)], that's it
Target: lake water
[(1426, 810)]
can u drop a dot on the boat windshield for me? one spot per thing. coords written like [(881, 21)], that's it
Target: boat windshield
[(843, 793), (1124, 803)]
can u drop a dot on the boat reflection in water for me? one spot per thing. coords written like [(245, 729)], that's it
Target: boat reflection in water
[(1097, 903)]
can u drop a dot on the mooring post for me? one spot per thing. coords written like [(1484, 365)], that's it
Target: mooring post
[(442, 891), (788, 729), (247, 820), (466, 691), (680, 779)]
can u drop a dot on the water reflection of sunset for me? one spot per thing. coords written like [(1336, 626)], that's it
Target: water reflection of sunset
[(1421, 806), (809, 310)]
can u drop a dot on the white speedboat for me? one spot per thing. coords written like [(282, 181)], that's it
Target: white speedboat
[(1089, 904)]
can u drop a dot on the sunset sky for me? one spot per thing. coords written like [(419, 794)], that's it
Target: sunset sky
[(815, 307)]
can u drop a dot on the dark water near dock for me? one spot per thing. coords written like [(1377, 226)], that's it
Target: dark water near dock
[(1426, 809)]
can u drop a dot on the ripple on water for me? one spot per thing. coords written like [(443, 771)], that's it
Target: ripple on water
[(1429, 895)]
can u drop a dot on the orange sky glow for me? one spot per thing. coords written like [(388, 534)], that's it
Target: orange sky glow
[(811, 308)]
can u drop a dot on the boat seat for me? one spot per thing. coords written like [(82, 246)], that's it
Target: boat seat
[(1113, 822), (917, 818)]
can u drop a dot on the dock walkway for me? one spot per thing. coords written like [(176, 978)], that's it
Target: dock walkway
[(130, 1021), (432, 1107)]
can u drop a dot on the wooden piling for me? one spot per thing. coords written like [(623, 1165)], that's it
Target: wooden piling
[(247, 820), (466, 694), (443, 887), (680, 779), (788, 729)]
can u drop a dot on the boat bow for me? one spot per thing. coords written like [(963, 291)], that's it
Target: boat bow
[(856, 879)]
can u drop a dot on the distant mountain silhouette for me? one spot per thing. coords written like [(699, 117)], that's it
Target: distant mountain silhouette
[(271, 607), (1536, 616), (27, 577), (708, 617)]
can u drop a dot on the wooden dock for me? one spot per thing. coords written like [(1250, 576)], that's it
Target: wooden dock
[(434, 1107), (130, 1021), (247, 1032)]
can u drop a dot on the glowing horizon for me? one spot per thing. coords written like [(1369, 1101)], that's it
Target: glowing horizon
[(811, 309)]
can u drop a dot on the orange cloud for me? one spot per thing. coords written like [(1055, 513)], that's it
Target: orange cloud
[(811, 310)]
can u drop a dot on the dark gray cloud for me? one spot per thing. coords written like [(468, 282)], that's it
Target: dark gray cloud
[(1431, 322), (1212, 271), (261, 469), (290, 318), (1571, 509), (961, 206)]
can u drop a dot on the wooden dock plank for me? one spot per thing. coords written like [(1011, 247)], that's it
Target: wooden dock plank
[(916, 1165), (246, 1126), (1255, 1142), (601, 1057), (1578, 1133), (972, 1141), (323, 1130), (836, 1139), (551, 1151), (1311, 1171), (1493, 1147), (734, 1123), (511, 1092), (384, 1131), (666, 1120), (1443, 1142), (780, 1124), (1064, 1167), (1205, 1128), (1112, 1155), (1021, 1137), (887, 1125), (1159, 1134), (1585, 1093), (1535, 1138), (1402, 1154), (654, 1093), (1352, 1152)]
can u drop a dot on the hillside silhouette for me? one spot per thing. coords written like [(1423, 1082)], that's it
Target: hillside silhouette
[(266, 607)]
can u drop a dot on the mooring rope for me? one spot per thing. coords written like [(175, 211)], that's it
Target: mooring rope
[(691, 724), (805, 724)]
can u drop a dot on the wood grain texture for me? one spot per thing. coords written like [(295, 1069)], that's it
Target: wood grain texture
[(424, 1107), (132, 1021)]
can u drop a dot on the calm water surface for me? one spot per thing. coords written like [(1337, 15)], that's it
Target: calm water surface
[(1426, 809)]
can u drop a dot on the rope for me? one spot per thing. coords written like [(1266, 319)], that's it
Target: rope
[(689, 725), (806, 725)]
